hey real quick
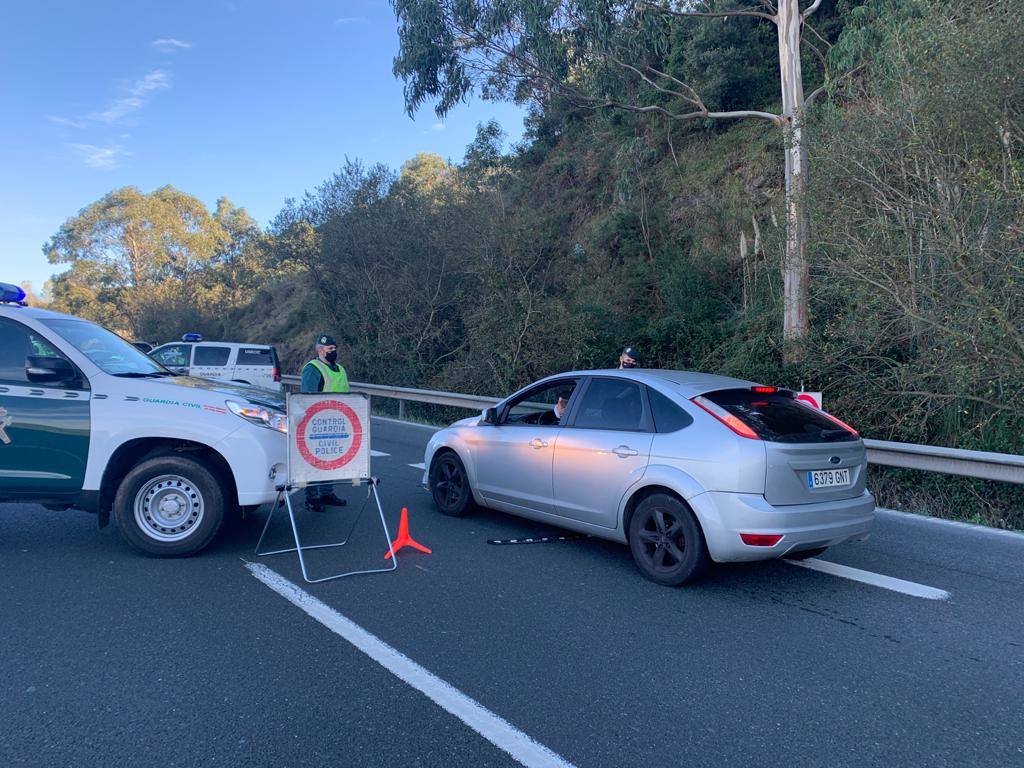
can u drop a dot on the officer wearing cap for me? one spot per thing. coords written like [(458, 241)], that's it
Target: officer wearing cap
[(323, 374), (628, 358)]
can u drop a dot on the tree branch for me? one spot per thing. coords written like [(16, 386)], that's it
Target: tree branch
[(814, 6), (712, 14)]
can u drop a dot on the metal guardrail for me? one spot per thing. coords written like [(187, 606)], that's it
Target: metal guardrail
[(928, 458)]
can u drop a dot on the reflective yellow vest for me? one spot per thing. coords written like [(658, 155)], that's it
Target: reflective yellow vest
[(334, 381)]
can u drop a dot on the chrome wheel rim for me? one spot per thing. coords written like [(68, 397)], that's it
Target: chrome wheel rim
[(169, 508)]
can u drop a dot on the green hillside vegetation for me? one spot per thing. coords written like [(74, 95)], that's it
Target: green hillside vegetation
[(606, 227)]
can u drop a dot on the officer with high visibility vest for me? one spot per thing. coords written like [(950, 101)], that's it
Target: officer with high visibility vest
[(323, 374)]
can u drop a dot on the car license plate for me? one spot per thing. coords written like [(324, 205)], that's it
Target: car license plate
[(828, 478)]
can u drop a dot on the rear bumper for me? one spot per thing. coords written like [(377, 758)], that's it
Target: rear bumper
[(724, 516)]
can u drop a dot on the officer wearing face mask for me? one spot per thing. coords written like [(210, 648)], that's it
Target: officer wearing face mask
[(628, 358), (323, 374)]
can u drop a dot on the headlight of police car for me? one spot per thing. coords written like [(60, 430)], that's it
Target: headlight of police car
[(261, 417)]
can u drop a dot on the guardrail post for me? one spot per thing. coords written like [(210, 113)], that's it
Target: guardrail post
[(401, 410)]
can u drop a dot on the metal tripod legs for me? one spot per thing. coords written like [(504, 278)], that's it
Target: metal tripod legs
[(299, 548)]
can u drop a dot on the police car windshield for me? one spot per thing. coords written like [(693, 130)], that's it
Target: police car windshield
[(107, 350)]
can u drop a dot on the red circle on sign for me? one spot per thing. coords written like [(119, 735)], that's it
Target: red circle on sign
[(357, 435), (809, 400)]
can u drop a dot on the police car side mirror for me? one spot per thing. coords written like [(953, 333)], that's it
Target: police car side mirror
[(45, 369)]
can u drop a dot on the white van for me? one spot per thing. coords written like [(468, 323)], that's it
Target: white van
[(253, 364), (89, 421)]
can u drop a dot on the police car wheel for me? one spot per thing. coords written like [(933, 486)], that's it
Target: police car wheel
[(169, 506), (449, 485)]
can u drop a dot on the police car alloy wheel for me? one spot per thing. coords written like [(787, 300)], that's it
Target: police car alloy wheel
[(170, 506)]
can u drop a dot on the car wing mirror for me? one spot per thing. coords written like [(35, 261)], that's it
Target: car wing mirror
[(45, 369), (489, 416)]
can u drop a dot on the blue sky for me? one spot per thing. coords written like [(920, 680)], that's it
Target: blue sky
[(253, 99)]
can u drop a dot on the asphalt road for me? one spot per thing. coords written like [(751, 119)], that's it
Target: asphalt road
[(108, 658)]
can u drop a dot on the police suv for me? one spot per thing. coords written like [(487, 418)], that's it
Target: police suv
[(254, 364), (89, 421)]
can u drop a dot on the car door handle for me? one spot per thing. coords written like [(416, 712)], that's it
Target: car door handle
[(537, 443), (624, 451)]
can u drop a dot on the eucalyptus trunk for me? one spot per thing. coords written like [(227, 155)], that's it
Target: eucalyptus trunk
[(795, 276)]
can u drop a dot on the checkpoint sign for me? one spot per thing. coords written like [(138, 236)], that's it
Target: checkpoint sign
[(328, 438)]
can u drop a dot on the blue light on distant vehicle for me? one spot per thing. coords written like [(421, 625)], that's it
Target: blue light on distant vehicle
[(192, 337), (10, 292)]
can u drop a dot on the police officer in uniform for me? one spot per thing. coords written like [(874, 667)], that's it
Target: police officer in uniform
[(323, 374), (627, 359)]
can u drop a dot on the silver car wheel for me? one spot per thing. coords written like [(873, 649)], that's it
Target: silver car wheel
[(168, 508)]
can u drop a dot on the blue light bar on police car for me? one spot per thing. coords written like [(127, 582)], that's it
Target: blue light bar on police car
[(192, 337), (10, 292)]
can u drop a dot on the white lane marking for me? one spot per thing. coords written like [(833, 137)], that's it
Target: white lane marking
[(928, 519), (378, 454), (495, 729), (874, 579), (404, 423), (421, 465)]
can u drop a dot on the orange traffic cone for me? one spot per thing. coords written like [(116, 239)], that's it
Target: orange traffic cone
[(404, 539)]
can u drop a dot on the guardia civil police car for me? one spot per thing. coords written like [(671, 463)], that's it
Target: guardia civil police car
[(89, 421)]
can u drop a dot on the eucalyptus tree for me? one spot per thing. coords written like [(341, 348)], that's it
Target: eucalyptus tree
[(608, 54)]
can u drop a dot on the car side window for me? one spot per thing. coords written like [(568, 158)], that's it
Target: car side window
[(668, 417), (611, 404), (538, 406), (255, 356), (16, 343), (216, 356), (176, 354)]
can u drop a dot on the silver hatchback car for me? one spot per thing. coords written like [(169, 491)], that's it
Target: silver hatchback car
[(683, 467)]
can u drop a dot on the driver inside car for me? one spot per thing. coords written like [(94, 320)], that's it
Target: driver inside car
[(554, 416)]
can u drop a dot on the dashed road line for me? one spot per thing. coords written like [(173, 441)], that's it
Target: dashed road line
[(378, 454), (495, 729), (874, 579), (421, 465)]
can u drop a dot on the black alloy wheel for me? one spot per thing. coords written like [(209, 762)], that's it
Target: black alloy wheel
[(666, 541), (449, 485)]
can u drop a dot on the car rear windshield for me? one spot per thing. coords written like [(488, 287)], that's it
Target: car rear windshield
[(779, 418), (256, 356)]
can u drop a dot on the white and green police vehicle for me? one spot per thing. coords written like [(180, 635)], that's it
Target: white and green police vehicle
[(89, 421)]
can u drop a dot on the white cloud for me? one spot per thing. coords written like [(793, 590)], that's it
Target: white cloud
[(438, 126), (157, 80), (170, 44), (100, 157), (67, 122), (352, 20)]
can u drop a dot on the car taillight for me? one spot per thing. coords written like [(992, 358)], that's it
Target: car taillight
[(277, 374), (764, 390), (761, 539), (732, 422)]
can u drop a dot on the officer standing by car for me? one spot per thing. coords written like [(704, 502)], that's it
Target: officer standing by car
[(323, 374), (628, 358)]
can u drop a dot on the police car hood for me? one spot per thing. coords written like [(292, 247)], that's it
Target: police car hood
[(256, 395)]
